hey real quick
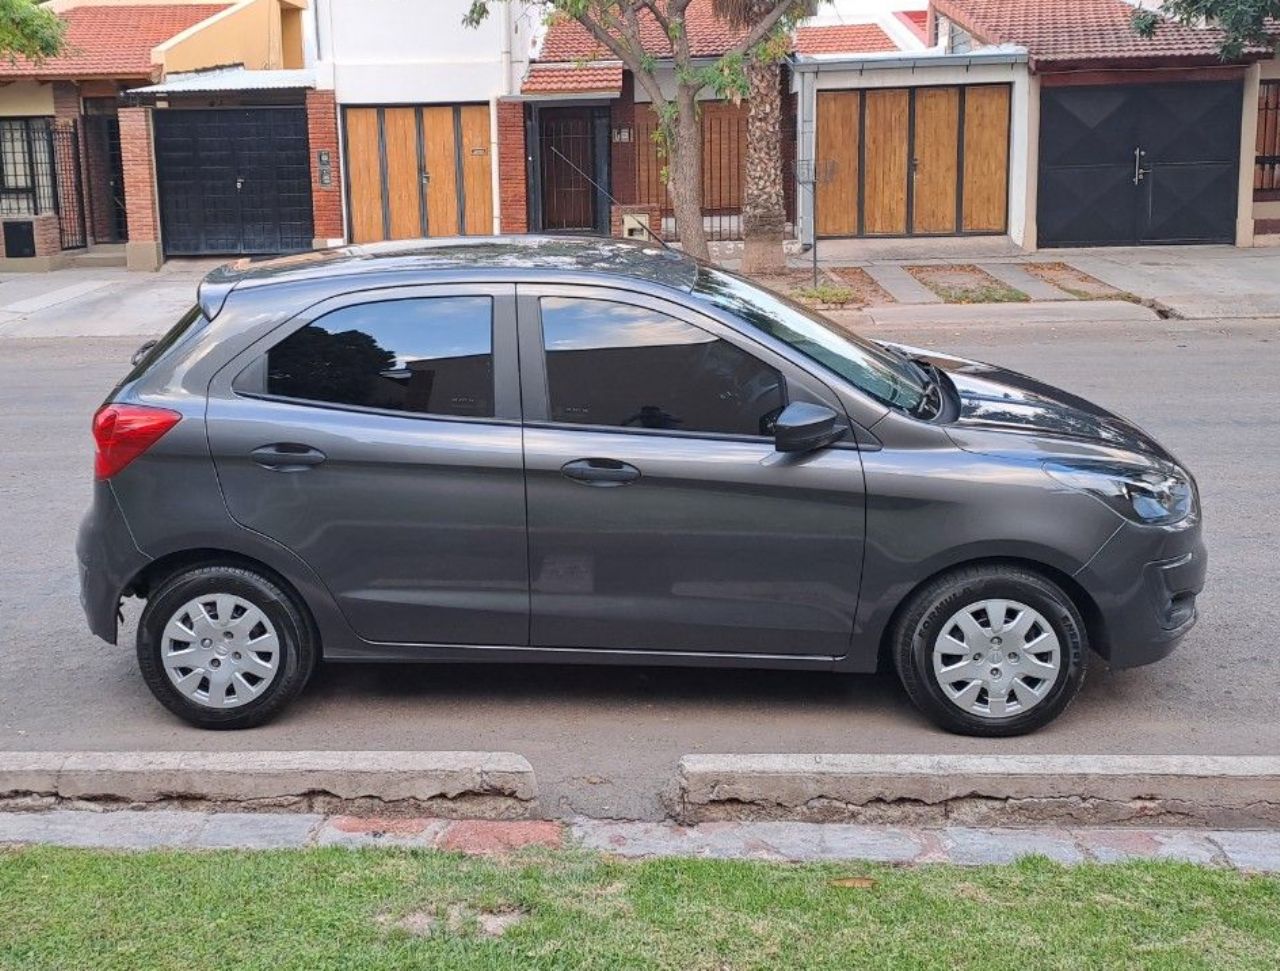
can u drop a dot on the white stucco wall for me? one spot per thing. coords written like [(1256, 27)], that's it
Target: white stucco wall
[(1024, 128), (415, 52)]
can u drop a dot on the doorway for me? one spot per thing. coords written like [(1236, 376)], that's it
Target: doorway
[(572, 169)]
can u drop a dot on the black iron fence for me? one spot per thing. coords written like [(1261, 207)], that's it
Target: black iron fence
[(724, 160), (40, 174)]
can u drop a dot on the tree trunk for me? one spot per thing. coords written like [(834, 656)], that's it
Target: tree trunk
[(764, 214), (685, 175)]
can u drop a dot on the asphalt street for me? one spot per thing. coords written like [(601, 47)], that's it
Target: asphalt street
[(605, 742)]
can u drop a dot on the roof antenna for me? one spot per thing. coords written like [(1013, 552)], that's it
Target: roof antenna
[(599, 188)]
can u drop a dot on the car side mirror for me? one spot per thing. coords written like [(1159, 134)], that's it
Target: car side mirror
[(804, 427)]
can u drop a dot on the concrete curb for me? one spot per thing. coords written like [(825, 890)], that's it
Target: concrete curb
[(1100, 312), (935, 790), (453, 784)]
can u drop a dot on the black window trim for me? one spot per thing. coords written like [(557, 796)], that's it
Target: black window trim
[(536, 395), (506, 376)]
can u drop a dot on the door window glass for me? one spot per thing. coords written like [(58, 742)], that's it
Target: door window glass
[(428, 356), (623, 366)]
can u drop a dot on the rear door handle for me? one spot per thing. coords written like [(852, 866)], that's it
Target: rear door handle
[(287, 457), (600, 472)]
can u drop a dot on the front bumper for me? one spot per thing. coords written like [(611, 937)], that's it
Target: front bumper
[(1145, 581), (108, 560)]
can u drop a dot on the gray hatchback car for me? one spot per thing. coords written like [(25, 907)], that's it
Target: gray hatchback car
[(597, 451)]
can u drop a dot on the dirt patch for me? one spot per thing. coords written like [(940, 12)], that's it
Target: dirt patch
[(457, 919), (965, 283), (1080, 285), (839, 288), (870, 293)]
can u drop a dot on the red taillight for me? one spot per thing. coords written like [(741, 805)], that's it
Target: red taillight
[(123, 432)]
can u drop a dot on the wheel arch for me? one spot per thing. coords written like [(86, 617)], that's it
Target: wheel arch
[(1095, 627)]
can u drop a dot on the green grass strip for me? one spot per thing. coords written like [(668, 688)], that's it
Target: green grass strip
[(351, 910)]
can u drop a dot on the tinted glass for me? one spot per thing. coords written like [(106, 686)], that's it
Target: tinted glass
[(628, 367), (432, 356), (861, 362)]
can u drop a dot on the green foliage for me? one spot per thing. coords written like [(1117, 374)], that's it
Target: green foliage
[(1243, 22), (29, 30), (825, 294)]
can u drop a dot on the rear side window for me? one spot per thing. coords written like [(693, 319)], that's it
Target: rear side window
[(431, 356), (622, 366), (188, 325)]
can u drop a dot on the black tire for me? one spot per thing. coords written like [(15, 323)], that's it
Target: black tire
[(919, 626), (296, 636)]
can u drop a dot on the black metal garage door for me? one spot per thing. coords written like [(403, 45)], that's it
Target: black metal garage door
[(1134, 164), (233, 180)]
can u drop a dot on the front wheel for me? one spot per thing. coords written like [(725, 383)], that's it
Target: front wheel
[(991, 651), (224, 647)]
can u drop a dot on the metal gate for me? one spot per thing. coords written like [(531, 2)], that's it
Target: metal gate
[(64, 149), (233, 181), (1138, 164)]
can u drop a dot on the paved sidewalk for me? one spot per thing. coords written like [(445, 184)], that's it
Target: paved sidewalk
[(1253, 850)]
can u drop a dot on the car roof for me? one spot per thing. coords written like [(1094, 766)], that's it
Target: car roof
[(525, 257)]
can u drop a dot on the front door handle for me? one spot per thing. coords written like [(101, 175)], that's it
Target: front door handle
[(600, 472), (287, 457)]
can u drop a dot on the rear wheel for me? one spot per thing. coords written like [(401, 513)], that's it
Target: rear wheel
[(991, 651), (224, 647)]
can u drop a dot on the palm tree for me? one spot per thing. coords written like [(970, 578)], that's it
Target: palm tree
[(764, 214)]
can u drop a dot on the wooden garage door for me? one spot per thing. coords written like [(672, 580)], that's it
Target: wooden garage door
[(418, 171), (913, 161)]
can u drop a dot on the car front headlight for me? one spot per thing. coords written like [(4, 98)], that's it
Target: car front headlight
[(1154, 496)]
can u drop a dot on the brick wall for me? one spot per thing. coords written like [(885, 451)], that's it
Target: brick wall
[(513, 188), (622, 117), (322, 135), (139, 175), (653, 216), (66, 101), (47, 236)]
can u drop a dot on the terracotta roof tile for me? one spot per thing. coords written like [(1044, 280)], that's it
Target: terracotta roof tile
[(1079, 30), (917, 21), (572, 80), (112, 41), (843, 39), (709, 36)]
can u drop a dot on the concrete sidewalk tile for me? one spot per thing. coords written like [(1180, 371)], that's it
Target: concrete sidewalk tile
[(53, 297), (108, 830), (633, 838), (1014, 275), (879, 844), (483, 837), (986, 846), (377, 831), (1114, 845), (900, 284), (1250, 849), (256, 831)]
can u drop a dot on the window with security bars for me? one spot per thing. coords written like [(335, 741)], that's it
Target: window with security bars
[(26, 167), (1266, 173)]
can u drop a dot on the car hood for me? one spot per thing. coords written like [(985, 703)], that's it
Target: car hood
[(1039, 416)]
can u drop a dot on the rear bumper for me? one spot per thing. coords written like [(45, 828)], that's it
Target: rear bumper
[(1145, 581), (108, 560)]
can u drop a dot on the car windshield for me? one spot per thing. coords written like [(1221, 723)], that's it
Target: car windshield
[(890, 379)]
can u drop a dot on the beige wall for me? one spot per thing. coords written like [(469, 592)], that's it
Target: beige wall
[(252, 33), (23, 98)]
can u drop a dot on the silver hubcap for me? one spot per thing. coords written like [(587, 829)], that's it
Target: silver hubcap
[(220, 651), (997, 658)]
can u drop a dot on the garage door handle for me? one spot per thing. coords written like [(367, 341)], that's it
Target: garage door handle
[(600, 472), (287, 457)]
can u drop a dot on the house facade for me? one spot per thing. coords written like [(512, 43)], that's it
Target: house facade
[(249, 127)]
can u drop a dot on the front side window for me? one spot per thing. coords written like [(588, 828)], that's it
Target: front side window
[(431, 356), (868, 366), (622, 366)]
